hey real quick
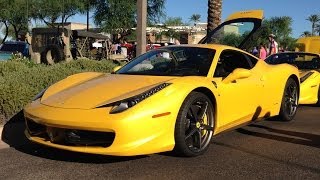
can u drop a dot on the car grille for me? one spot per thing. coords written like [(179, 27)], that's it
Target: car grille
[(70, 137)]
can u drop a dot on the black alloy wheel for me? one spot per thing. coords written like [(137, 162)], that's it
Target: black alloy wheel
[(194, 126), (290, 100)]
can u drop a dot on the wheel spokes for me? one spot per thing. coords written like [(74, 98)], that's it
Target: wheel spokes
[(207, 127), (199, 131), (198, 139), (291, 99), (189, 113), (194, 109), (192, 132), (203, 110)]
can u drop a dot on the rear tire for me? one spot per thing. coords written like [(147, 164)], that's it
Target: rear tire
[(194, 125), (290, 100)]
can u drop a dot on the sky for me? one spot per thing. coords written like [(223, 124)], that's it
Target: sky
[(299, 10)]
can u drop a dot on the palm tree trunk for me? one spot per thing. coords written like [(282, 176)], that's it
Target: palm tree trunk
[(88, 9), (214, 14), (313, 26)]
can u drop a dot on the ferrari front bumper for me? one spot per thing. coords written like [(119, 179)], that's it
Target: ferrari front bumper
[(135, 132)]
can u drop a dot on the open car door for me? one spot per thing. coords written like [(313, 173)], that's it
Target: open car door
[(236, 30)]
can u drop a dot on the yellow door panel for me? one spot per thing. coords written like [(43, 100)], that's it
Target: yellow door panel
[(257, 14), (239, 87), (239, 102)]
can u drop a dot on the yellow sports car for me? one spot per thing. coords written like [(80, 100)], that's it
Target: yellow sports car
[(309, 66), (172, 98)]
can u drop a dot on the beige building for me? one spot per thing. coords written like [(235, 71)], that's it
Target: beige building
[(75, 26), (188, 34), (232, 29)]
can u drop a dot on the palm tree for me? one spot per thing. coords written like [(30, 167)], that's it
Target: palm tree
[(214, 14), (172, 34), (195, 18), (314, 18), (305, 34), (318, 29), (280, 26), (174, 21)]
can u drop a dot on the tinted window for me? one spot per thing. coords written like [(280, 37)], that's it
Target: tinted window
[(230, 60), (301, 60), (172, 61), (252, 60)]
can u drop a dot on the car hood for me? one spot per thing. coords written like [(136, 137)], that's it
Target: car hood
[(101, 90)]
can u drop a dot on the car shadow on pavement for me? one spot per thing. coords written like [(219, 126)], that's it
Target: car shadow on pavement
[(301, 138), (309, 105), (13, 135)]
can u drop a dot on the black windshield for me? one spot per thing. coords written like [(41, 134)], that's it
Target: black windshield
[(172, 61), (301, 60)]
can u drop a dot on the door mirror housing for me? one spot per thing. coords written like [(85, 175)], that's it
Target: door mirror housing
[(238, 73), (115, 69)]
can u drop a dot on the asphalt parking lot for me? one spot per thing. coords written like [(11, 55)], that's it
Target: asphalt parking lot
[(262, 150)]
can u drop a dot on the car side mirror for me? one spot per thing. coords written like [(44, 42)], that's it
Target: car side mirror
[(238, 73), (115, 69)]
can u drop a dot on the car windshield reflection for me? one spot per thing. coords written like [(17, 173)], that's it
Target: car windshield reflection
[(171, 61)]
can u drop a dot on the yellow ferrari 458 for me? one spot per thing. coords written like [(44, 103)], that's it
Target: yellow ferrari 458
[(309, 67), (174, 98)]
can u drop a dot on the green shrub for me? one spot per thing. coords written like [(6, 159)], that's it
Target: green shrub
[(21, 80)]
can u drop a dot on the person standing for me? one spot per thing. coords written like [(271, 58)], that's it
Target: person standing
[(255, 51), (267, 49), (262, 52), (273, 45)]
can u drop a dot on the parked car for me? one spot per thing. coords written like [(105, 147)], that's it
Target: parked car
[(309, 66), (309, 44), (10, 48), (170, 98)]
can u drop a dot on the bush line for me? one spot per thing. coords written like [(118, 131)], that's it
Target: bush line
[(21, 79)]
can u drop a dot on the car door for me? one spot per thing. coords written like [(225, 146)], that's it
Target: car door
[(239, 98), (237, 30)]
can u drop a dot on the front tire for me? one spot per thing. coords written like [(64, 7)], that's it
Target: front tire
[(194, 125), (290, 100)]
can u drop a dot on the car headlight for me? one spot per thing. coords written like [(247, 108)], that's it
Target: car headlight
[(305, 77), (39, 95), (125, 104)]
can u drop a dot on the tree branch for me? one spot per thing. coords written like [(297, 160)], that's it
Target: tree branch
[(67, 17), (7, 32)]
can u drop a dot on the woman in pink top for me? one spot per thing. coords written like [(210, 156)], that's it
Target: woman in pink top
[(263, 52)]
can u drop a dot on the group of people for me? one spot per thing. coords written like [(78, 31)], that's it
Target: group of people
[(129, 49), (265, 50), (125, 48)]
